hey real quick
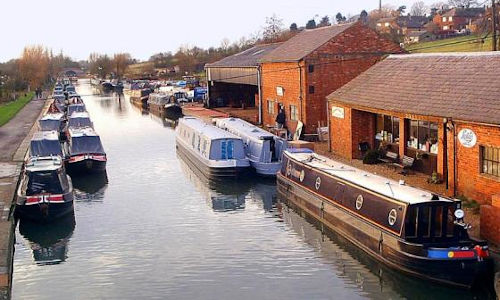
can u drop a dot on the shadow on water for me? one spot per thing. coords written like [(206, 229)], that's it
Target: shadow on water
[(49, 242), (90, 187), (338, 251)]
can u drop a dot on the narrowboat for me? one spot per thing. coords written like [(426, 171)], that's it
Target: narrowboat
[(107, 86), (412, 230), (72, 108), (140, 97), (262, 148), (79, 120), (52, 122), (216, 153), (164, 105), (84, 151), (45, 144), (45, 192)]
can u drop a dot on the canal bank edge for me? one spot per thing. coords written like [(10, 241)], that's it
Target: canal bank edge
[(10, 173)]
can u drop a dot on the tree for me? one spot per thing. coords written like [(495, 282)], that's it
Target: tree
[(401, 9), (99, 64), (325, 21), (120, 63), (419, 9), (463, 3), (363, 16), (340, 18), (273, 28), (293, 27), (311, 24), (34, 65)]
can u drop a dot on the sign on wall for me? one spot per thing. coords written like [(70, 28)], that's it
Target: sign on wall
[(279, 90), (338, 112), (467, 138)]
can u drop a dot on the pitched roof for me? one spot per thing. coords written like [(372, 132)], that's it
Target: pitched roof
[(464, 12), (412, 21), (463, 86), (304, 43), (247, 58)]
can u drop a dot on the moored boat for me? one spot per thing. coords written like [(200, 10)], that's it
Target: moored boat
[(215, 152), (72, 108), (140, 97), (52, 122), (409, 229), (45, 144), (84, 151), (262, 148), (45, 192), (164, 105)]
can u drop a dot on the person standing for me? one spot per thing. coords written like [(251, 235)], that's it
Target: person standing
[(281, 119)]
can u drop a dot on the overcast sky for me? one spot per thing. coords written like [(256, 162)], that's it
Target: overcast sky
[(145, 27)]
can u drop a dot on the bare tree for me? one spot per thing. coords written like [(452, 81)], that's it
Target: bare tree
[(34, 65), (463, 3), (419, 9), (120, 63), (325, 21), (273, 28)]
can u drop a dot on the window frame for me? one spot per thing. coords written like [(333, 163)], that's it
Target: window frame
[(311, 89), (492, 162), (294, 113), (271, 107)]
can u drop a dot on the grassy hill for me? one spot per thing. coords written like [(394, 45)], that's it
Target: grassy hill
[(468, 43)]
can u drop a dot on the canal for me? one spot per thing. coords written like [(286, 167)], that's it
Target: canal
[(152, 228)]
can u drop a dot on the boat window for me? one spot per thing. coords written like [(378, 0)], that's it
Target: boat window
[(223, 154), (438, 221), (424, 223), (198, 143), (411, 222), (230, 149), (192, 140), (450, 224), (43, 182)]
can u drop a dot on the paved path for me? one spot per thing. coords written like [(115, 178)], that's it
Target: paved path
[(14, 132)]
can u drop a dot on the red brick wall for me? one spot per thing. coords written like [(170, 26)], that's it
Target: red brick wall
[(335, 63), (490, 225), (363, 130), (470, 181), (286, 75), (340, 132)]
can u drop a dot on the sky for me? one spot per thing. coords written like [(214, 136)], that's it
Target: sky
[(146, 27)]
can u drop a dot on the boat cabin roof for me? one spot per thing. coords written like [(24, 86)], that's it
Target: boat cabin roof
[(381, 185), (210, 131), (83, 131), (53, 116), (45, 135), (244, 128), (75, 115), (48, 163)]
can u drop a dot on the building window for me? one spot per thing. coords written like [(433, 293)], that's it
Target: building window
[(311, 68), (311, 89), (423, 136), (450, 19), (386, 24), (445, 27), (294, 113), (444, 19), (387, 129), (270, 107), (490, 160)]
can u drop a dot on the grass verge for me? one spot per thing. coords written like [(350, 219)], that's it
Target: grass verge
[(9, 110), (469, 43)]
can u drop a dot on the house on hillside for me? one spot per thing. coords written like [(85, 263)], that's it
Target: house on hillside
[(235, 80), (298, 74), (402, 25), (419, 36), (458, 19), (439, 109)]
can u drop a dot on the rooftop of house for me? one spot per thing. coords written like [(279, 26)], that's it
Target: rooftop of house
[(406, 21), (247, 58), (304, 43), (464, 12), (462, 86)]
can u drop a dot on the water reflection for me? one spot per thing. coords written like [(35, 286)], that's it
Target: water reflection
[(220, 195), (370, 276), (49, 242), (90, 187), (265, 192), (162, 120)]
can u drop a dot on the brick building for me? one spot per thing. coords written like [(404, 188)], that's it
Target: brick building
[(441, 109), (457, 19), (403, 25), (302, 71)]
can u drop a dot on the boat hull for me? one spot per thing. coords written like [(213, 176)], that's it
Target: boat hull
[(379, 244), (266, 169), (86, 166), (211, 172), (44, 212)]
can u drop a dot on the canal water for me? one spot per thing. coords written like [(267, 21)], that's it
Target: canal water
[(151, 228)]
